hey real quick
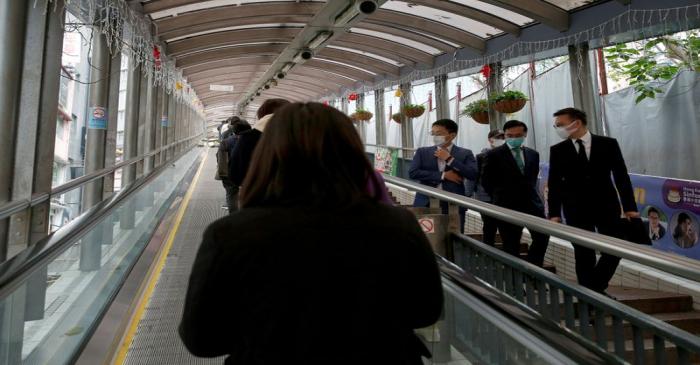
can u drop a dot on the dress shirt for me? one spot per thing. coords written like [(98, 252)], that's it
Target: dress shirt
[(586, 143)]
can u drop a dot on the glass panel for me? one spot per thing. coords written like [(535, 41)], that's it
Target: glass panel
[(495, 10), (254, 26), (471, 332), (423, 94), (369, 54), (392, 106), (371, 127), (210, 4), (73, 96), (48, 318), (570, 4), (397, 39), (472, 26)]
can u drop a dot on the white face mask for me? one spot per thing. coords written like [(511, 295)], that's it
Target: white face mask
[(498, 142), (564, 132), (439, 140)]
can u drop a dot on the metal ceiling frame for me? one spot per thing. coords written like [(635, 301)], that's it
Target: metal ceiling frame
[(205, 47)]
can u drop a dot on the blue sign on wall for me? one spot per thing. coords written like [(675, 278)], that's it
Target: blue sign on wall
[(98, 118), (164, 121), (670, 210)]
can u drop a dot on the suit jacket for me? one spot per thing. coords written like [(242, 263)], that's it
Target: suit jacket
[(269, 287), (647, 228), (588, 193), (424, 169), (242, 153), (508, 187)]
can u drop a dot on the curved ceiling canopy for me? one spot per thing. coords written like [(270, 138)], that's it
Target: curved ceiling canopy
[(237, 42)]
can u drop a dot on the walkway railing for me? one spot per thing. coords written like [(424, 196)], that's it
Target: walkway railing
[(567, 304), (10, 208)]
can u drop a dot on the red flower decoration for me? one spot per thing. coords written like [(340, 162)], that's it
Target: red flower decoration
[(486, 71), (352, 97), (156, 57)]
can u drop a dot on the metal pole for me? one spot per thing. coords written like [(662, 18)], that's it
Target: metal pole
[(45, 111), (127, 216), (90, 246), (111, 143), (406, 123), (442, 98), (165, 114), (141, 137), (495, 85), (379, 117), (150, 123), (12, 27), (360, 104), (157, 115), (582, 85)]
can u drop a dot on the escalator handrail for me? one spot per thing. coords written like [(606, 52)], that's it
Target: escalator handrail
[(16, 206), (648, 256), (563, 340)]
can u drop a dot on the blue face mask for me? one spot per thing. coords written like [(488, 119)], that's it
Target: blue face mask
[(515, 142)]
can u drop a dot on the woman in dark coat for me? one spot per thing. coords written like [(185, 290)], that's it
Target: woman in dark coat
[(311, 270)]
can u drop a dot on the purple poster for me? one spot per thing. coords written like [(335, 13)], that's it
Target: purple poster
[(670, 210)]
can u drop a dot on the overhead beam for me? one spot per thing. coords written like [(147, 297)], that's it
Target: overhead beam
[(261, 61), (386, 48), (359, 60)]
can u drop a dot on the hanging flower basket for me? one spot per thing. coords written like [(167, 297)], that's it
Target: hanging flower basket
[(478, 110), (508, 102), (396, 117), (362, 115), (413, 110), (481, 117)]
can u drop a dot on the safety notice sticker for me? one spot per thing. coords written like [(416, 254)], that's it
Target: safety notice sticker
[(427, 224), (98, 118)]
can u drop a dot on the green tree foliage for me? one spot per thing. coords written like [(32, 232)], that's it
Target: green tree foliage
[(647, 65)]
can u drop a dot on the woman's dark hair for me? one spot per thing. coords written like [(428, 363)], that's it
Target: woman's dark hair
[(270, 106), (309, 154), (682, 217), (240, 127)]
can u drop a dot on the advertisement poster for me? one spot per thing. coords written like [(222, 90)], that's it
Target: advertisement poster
[(98, 118), (670, 210), (386, 160)]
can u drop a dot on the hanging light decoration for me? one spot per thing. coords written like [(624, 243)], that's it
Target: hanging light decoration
[(398, 93), (486, 71)]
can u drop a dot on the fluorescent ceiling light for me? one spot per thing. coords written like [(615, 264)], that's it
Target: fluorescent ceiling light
[(224, 88)]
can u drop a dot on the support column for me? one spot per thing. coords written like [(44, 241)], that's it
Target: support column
[(127, 216), (379, 117), (141, 139), (45, 142), (12, 28), (406, 123), (150, 131), (495, 85), (165, 102), (442, 97), (362, 125), (584, 90), (113, 107), (157, 115)]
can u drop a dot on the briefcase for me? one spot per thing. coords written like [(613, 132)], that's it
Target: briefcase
[(634, 231)]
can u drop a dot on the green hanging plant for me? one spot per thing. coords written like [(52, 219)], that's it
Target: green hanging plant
[(508, 102), (478, 110), (413, 110)]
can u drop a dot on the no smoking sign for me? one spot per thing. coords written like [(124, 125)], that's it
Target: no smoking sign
[(427, 225)]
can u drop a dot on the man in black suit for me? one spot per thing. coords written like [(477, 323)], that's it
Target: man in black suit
[(509, 175), (580, 170)]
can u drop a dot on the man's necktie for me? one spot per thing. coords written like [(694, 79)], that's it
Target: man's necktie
[(519, 159), (582, 152)]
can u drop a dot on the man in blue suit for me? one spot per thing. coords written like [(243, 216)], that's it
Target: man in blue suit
[(443, 165)]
